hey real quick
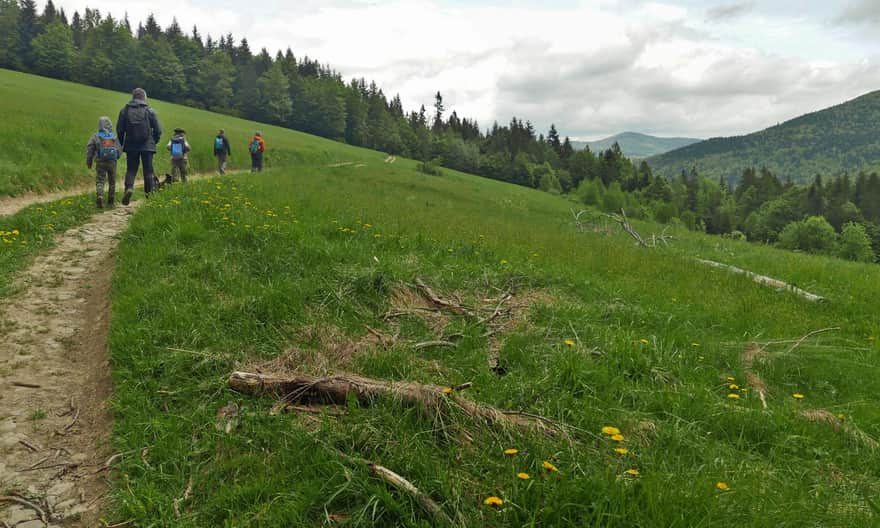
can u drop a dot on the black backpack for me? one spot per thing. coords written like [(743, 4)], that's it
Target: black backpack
[(138, 129)]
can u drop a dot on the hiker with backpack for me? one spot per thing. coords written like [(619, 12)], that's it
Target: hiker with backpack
[(103, 150), (258, 146), (179, 149), (139, 131), (221, 151)]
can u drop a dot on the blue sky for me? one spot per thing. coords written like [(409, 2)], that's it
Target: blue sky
[(594, 68)]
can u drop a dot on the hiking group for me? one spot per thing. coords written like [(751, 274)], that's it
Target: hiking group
[(138, 131)]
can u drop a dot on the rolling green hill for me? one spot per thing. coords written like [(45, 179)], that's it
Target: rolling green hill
[(843, 138), (636, 145), (313, 267)]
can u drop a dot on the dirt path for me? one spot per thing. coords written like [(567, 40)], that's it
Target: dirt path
[(12, 204), (55, 380)]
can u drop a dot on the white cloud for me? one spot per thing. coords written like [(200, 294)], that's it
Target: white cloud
[(593, 68)]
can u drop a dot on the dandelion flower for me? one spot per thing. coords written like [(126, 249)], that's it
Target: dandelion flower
[(621, 450), (609, 430), (523, 476), (493, 501), (617, 437), (549, 467), (633, 472), (731, 378), (733, 386), (511, 451), (503, 262), (733, 396), (644, 341), (722, 486), (569, 342), (797, 396), (695, 344), (448, 390)]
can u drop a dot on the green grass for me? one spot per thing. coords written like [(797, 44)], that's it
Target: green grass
[(240, 283), (32, 230), (47, 123)]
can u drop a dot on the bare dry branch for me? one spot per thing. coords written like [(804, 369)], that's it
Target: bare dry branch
[(765, 280)]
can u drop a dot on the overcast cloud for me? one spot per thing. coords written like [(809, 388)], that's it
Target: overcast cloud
[(594, 68)]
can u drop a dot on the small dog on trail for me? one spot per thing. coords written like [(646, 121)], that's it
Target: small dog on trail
[(159, 184)]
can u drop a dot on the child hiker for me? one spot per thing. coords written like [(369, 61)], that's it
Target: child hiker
[(104, 149), (179, 148), (258, 146), (221, 151)]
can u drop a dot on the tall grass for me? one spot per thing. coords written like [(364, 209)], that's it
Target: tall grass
[(233, 272)]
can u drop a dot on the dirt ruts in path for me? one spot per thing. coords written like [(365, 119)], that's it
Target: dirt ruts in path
[(55, 379)]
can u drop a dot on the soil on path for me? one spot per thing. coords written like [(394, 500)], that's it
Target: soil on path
[(55, 380)]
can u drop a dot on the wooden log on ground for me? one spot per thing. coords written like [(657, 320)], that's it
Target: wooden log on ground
[(402, 484), (339, 389), (764, 280)]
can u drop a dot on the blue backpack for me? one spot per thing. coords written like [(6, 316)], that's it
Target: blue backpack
[(255, 146), (107, 150), (178, 148), (218, 144)]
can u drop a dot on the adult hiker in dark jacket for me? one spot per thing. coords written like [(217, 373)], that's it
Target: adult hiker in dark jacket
[(139, 131), (221, 151)]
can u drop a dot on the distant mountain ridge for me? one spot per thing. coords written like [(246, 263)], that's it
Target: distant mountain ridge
[(637, 145), (842, 138)]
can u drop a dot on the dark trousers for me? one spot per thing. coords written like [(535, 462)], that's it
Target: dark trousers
[(132, 161), (221, 161), (256, 162)]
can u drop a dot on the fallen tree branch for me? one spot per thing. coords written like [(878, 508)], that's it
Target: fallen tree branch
[(764, 280), (402, 484), (438, 301), (339, 389), (187, 493), (809, 335), (432, 344)]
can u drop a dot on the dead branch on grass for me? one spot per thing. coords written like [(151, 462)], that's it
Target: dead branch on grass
[(809, 335), (187, 493), (402, 484), (338, 389), (434, 344), (440, 302), (764, 280)]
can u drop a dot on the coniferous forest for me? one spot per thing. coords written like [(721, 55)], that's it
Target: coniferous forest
[(835, 214)]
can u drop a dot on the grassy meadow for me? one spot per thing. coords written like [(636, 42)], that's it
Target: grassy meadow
[(298, 262), (300, 268), (47, 124)]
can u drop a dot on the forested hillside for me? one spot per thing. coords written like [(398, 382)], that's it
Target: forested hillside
[(637, 145), (839, 139)]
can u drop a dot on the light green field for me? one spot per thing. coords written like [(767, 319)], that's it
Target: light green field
[(47, 124), (298, 261)]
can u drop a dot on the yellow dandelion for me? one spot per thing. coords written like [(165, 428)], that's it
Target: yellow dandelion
[(733, 386), (503, 262), (493, 501), (731, 378), (569, 342), (633, 472), (733, 396), (722, 486), (609, 430), (644, 341), (621, 450), (695, 344), (448, 390), (797, 396), (617, 437), (549, 467), (511, 451), (523, 476), (15, 232)]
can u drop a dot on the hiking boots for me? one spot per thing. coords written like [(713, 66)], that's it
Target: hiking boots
[(99, 202), (110, 201), (126, 198)]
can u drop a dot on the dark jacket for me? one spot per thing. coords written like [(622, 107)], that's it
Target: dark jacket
[(225, 146), (122, 126)]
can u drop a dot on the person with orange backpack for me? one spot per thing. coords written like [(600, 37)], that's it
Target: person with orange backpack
[(257, 148), (104, 150)]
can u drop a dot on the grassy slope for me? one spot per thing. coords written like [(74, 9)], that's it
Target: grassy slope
[(241, 282), (47, 124)]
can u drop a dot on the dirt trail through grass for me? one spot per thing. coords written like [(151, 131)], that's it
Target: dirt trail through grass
[(55, 379)]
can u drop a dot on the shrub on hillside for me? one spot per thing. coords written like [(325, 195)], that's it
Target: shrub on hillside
[(813, 235), (855, 244), (431, 168)]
